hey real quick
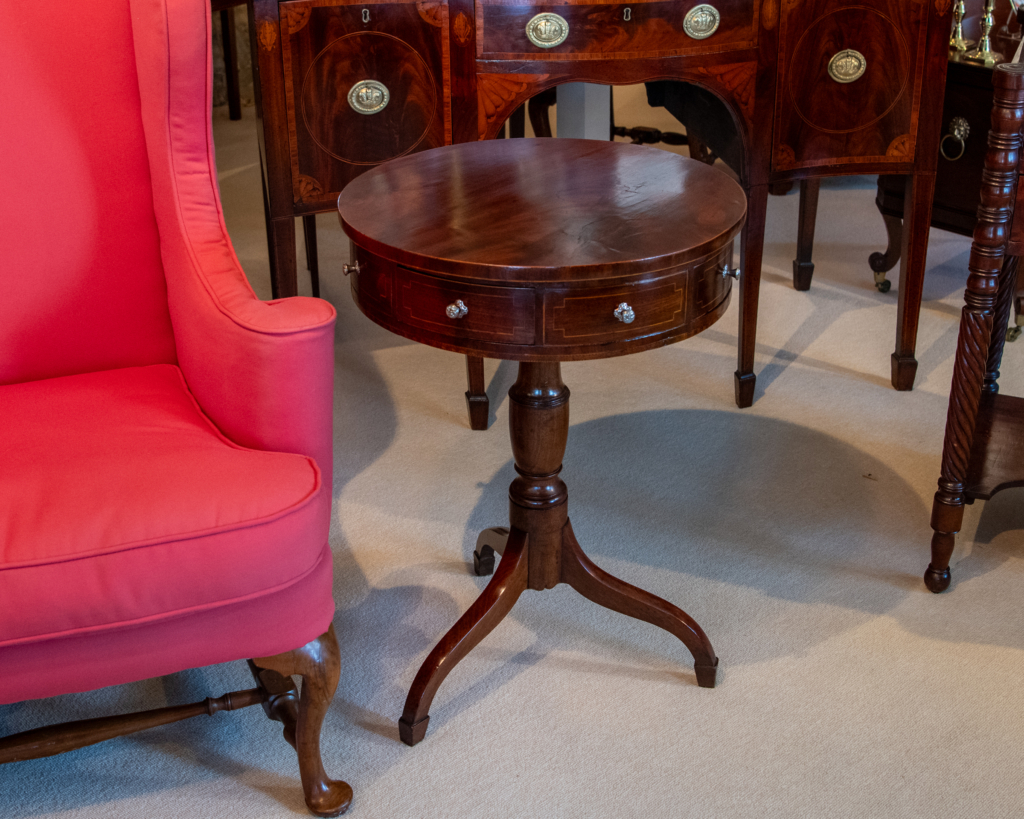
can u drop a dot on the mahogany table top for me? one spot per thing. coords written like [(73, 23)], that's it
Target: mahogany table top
[(524, 210)]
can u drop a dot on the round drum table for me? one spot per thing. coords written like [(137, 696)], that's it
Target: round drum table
[(542, 251)]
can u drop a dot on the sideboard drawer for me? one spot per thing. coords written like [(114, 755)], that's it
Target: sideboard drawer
[(501, 315), (602, 30), (850, 79), (363, 83)]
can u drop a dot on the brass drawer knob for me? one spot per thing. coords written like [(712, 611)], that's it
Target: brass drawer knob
[(729, 272), (702, 21), (350, 268), (456, 310), (847, 66), (547, 30), (624, 313)]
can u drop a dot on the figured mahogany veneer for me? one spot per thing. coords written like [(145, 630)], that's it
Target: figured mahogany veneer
[(600, 30), (552, 250), (458, 69)]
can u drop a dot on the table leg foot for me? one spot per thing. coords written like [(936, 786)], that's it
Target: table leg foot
[(411, 733), (803, 272), (488, 542), (606, 590), (937, 580), (904, 370), (744, 383), (707, 675), (487, 611)]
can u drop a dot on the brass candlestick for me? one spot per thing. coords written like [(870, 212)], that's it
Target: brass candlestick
[(957, 42), (984, 53)]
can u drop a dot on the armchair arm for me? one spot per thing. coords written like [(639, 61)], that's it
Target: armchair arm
[(262, 371)]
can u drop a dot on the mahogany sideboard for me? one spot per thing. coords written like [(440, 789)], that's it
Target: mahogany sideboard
[(816, 88), (966, 117)]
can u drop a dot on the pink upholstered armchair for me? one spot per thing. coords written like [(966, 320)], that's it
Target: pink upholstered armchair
[(165, 437)]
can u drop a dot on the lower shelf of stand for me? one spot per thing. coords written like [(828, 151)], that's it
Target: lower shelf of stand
[(997, 452)]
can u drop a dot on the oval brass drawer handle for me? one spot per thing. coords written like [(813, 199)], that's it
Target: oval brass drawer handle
[(702, 21), (456, 310), (959, 129), (624, 313), (547, 30), (368, 96), (847, 66)]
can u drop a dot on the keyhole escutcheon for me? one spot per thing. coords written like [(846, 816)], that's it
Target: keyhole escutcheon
[(366, 15), (627, 14)]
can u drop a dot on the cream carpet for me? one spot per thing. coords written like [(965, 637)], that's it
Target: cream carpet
[(795, 532)]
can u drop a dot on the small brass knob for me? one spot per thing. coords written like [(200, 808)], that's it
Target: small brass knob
[(625, 313), (456, 310), (350, 268), (729, 272)]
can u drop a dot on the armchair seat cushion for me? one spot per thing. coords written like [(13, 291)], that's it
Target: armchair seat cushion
[(121, 505)]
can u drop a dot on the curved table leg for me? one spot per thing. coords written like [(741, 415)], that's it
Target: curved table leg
[(606, 590), (487, 611)]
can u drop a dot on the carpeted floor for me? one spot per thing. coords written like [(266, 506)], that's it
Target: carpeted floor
[(795, 532)]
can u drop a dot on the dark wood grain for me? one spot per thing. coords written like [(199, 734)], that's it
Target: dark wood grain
[(803, 267), (982, 440), (542, 210), (766, 63), (565, 247), (820, 120), (70, 736), (487, 611), (319, 664), (477, 403), (326, 49), (550, 250), (654, 29)]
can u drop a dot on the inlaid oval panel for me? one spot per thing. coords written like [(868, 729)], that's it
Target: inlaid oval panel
[(356, 136), (877, 85)]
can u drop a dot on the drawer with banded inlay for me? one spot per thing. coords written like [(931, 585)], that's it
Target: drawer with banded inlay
[(559, 31)]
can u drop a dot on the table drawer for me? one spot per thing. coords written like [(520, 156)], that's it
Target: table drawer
[(596, 316), (501, 315), (601, 30)]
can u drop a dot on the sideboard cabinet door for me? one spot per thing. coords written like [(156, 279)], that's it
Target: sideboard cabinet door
[(364, 83), (849, 81)]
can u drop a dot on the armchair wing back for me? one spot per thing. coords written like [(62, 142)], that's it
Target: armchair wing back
[(165, 469)]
